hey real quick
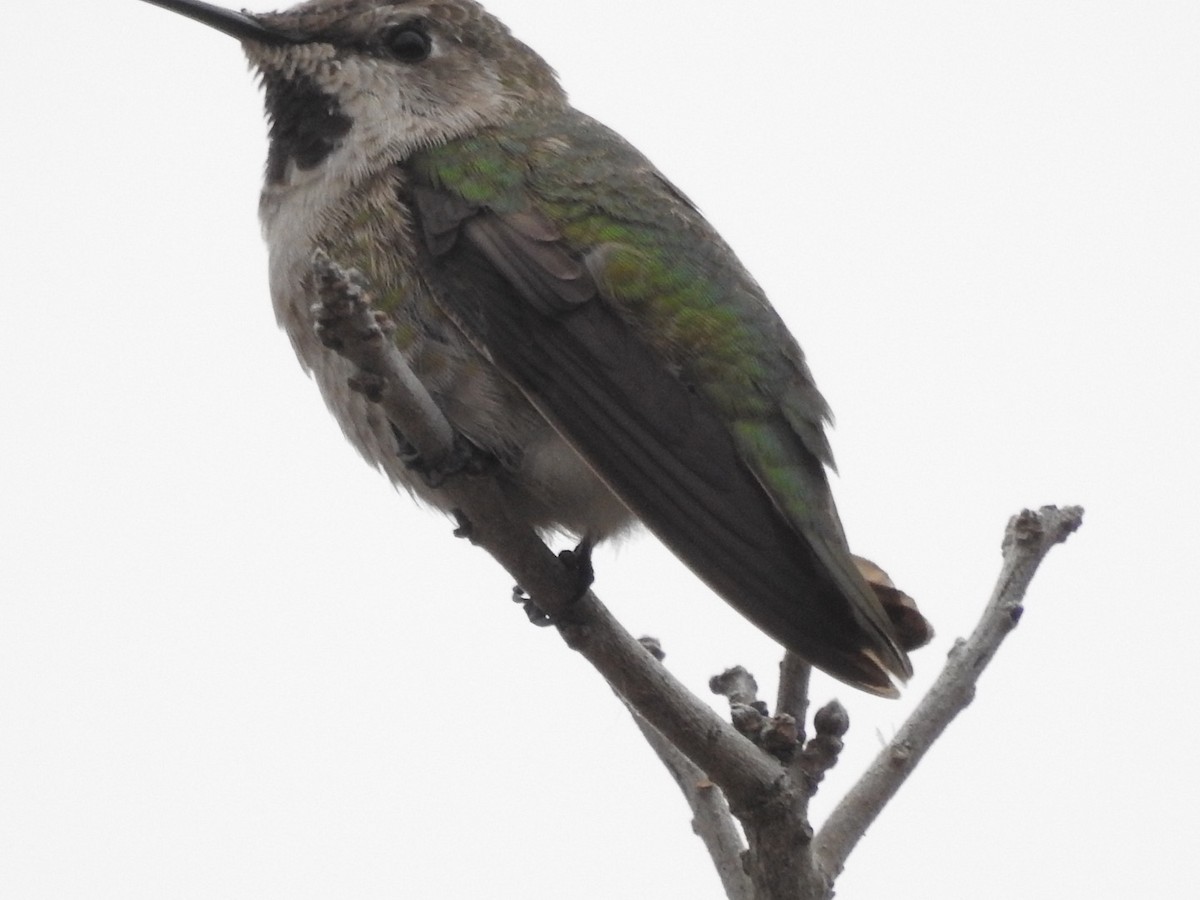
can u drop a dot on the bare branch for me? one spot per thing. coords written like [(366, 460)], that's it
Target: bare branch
[(347, 324), (780, 861), (779, 735), (1027, 540), (749, 777), (746, 711), (700, 749), (711, 820), (739, 686), (792, 699), (821, 753)]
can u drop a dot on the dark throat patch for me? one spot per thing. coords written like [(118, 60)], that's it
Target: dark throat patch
[(306, 124)]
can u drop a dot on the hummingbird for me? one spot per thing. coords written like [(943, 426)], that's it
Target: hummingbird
[(576, 318)]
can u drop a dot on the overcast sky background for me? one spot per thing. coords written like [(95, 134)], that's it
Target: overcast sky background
[(235, 664)]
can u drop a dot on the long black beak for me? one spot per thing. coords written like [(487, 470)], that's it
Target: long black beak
[(240, 25)]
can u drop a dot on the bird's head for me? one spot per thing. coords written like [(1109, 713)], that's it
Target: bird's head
[(376, 80)]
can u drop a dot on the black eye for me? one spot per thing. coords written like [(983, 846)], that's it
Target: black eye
[(409, 42)]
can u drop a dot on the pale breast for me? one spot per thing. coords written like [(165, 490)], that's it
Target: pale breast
[(367, 228)]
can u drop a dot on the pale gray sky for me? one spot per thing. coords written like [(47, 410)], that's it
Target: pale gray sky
[(235, 664)]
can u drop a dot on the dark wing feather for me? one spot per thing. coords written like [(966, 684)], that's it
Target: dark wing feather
[(533, 308)]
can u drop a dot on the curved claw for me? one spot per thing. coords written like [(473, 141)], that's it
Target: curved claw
[(465, 457), (579, 563)]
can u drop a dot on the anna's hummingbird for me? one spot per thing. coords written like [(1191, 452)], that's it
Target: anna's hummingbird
[(570, 310)]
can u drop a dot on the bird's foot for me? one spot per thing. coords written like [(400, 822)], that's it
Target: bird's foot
[(533, 612), (578, 563), (464, 458), (463, 527)]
